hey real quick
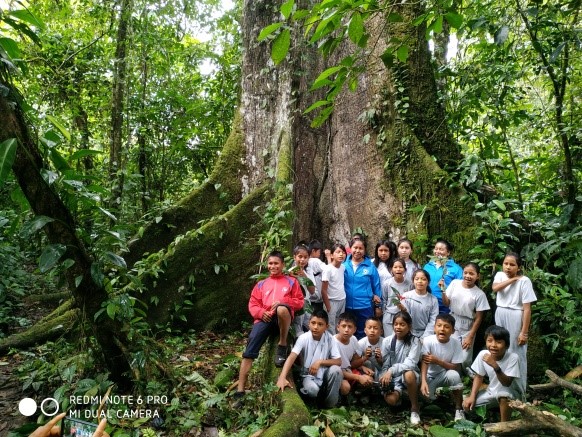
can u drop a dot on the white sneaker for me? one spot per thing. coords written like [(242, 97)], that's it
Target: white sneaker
[(414, 418), (459, 415)]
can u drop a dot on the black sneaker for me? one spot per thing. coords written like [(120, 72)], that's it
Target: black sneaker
[(280, 356), (238, 399)]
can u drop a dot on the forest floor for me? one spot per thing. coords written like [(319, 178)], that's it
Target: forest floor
[(209, 363)]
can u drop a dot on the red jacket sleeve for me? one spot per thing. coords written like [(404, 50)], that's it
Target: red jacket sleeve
[(296, 299), (256, 303)]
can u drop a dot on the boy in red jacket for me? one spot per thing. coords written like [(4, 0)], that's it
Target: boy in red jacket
[(272, 304)]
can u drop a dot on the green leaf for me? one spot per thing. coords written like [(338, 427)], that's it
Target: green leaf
[(300, 14), (393, 17), (287, 7), (311, 430), (56, 123), (499, 204), (441, 431), (322, 78), (574, 276), (10, 47), (281, 46), (557, 51), (402, 53), (437, 25), (58, 161), (316, 105), (7, 157), (111, 310), (115, 259), (356, 27), (269, 30), (454, 19), (96, 274), (110, 215), (82, 153), (388, 57), (50, 256), (501, 35), (36, 224), (27, 16)]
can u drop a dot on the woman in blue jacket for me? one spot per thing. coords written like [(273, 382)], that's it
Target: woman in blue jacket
[(442, 270), (362, 285)]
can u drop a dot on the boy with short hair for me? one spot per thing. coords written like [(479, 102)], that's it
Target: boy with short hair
[(321, 375), (273, 303), (371, 346), (441, 363), (502, 369), (351, 355)]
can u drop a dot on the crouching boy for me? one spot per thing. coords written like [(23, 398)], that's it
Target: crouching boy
[(441, 362), (321, 376), (502, 369)]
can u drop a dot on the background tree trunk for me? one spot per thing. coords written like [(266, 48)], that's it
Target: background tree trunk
[(340, 181), (88, 295)]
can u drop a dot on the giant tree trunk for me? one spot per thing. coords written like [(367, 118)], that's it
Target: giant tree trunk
[(340, 182)]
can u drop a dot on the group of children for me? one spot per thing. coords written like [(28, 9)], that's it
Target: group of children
[(409, 345)]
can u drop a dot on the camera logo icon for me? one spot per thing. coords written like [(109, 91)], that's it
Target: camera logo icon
[(49, 407)]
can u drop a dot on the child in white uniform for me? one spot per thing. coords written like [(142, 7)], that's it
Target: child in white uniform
[(399, 282), (332, 286), (502, 369), (514, 297), (468, 304), (422, 306)]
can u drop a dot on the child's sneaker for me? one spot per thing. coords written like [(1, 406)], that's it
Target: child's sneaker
[(280, 356), (238, 398), (459, 415), (414, 418)]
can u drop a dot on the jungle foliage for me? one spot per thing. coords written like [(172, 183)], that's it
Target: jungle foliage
[(509, 76)]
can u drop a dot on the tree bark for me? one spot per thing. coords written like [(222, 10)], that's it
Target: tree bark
[(117, 104), (340, 180), (533, 419)]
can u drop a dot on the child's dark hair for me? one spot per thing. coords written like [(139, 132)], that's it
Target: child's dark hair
[(401, 261), (302, 245), (373, 319), (361, 240), (338, 246), (448, 318), (475, 266), (392, 253), (516, 256), (425, 274), (406, 240), (276, 254), (404, 315), (314, 245), (347, 316), (320, 314), (498, 333), (447, 244)]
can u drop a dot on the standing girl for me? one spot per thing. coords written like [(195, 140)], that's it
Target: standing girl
[(468, 304), (514, 297), (332, 286), (402, 285), (401, 352), (404, 252), (442, 270), (422, 306), (362, 285), (304, 275)]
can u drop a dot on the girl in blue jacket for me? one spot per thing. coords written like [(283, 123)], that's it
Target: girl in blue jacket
[(442, 270)]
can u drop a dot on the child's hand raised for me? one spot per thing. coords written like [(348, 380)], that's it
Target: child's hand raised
[(488, 358)]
